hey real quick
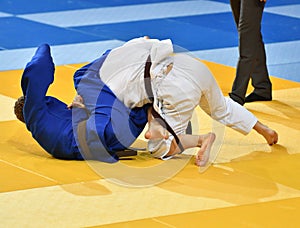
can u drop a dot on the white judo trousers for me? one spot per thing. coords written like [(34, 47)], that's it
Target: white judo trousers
[(177, 92)]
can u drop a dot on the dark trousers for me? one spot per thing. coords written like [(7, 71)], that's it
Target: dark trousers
[(252, 56)]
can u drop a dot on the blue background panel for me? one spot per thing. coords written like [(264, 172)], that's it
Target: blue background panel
[(277, 28), (39, 6), (199, 37), (31, 34)]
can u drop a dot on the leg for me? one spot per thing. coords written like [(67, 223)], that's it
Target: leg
[(249, 44), (36, 78), (260, 77), (38, 74), (235, 8), (48, 119)]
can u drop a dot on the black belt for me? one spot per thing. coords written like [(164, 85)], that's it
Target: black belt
[(155, 114)]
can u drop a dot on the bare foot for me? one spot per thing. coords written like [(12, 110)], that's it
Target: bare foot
[(270, 135), (156, 131), (202, 156)]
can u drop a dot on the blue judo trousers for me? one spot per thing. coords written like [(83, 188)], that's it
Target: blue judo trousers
[(110, 125)]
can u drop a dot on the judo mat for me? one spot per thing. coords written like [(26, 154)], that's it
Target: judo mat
[(249, 184)]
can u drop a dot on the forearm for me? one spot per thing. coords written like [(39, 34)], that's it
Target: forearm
[(187, 141)]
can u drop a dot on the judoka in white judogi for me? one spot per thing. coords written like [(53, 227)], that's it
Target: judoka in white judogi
[(179, 83)]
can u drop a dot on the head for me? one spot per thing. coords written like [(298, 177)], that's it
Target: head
[(18, 109)]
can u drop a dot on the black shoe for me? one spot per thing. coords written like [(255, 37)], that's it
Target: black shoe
[(254, 97)]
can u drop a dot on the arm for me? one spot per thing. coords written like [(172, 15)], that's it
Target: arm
[(159, 141), (187, 141), (157, 131)]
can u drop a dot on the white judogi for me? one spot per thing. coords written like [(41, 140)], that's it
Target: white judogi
[(176, 93)]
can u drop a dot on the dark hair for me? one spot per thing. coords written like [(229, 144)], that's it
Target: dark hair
[(18, 109)]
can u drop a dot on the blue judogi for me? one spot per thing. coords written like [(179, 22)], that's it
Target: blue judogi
[(54, 126), (111, 126)]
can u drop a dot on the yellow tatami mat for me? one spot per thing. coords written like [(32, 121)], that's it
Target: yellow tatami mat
[(250, 184)]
